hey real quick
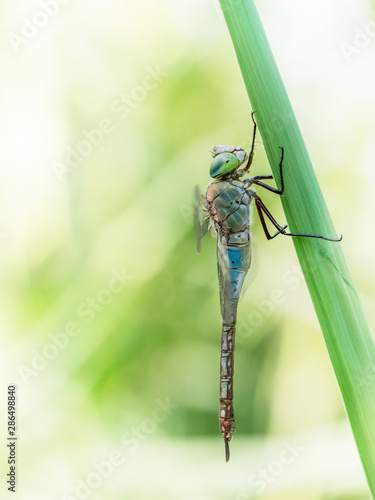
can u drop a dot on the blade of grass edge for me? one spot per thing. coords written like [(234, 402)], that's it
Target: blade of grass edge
[(346, 332)]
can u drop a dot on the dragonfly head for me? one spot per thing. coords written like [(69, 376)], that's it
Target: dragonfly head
[(226, 159)]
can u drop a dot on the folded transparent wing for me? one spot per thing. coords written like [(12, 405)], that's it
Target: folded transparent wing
[(202, 218)]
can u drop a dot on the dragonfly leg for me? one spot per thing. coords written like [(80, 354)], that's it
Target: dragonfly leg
[(251, 154), (260, 208), (263, 211), (257, 179)]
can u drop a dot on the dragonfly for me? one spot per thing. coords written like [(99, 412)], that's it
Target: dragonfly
[(226, 209)]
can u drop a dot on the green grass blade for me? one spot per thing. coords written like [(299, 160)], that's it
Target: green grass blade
[(346, 332)]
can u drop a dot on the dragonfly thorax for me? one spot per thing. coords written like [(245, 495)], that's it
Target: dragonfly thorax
[(228, 204)]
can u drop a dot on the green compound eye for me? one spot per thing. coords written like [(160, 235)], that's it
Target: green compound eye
[(222, 164)]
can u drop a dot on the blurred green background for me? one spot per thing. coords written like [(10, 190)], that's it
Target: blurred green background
[(110, 322)]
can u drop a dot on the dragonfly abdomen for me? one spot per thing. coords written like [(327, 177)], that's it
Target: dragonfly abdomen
[(233, 264), (226, 413)]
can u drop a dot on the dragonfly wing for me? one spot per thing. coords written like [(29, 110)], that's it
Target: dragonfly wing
[(201, 217), (223, 269)]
